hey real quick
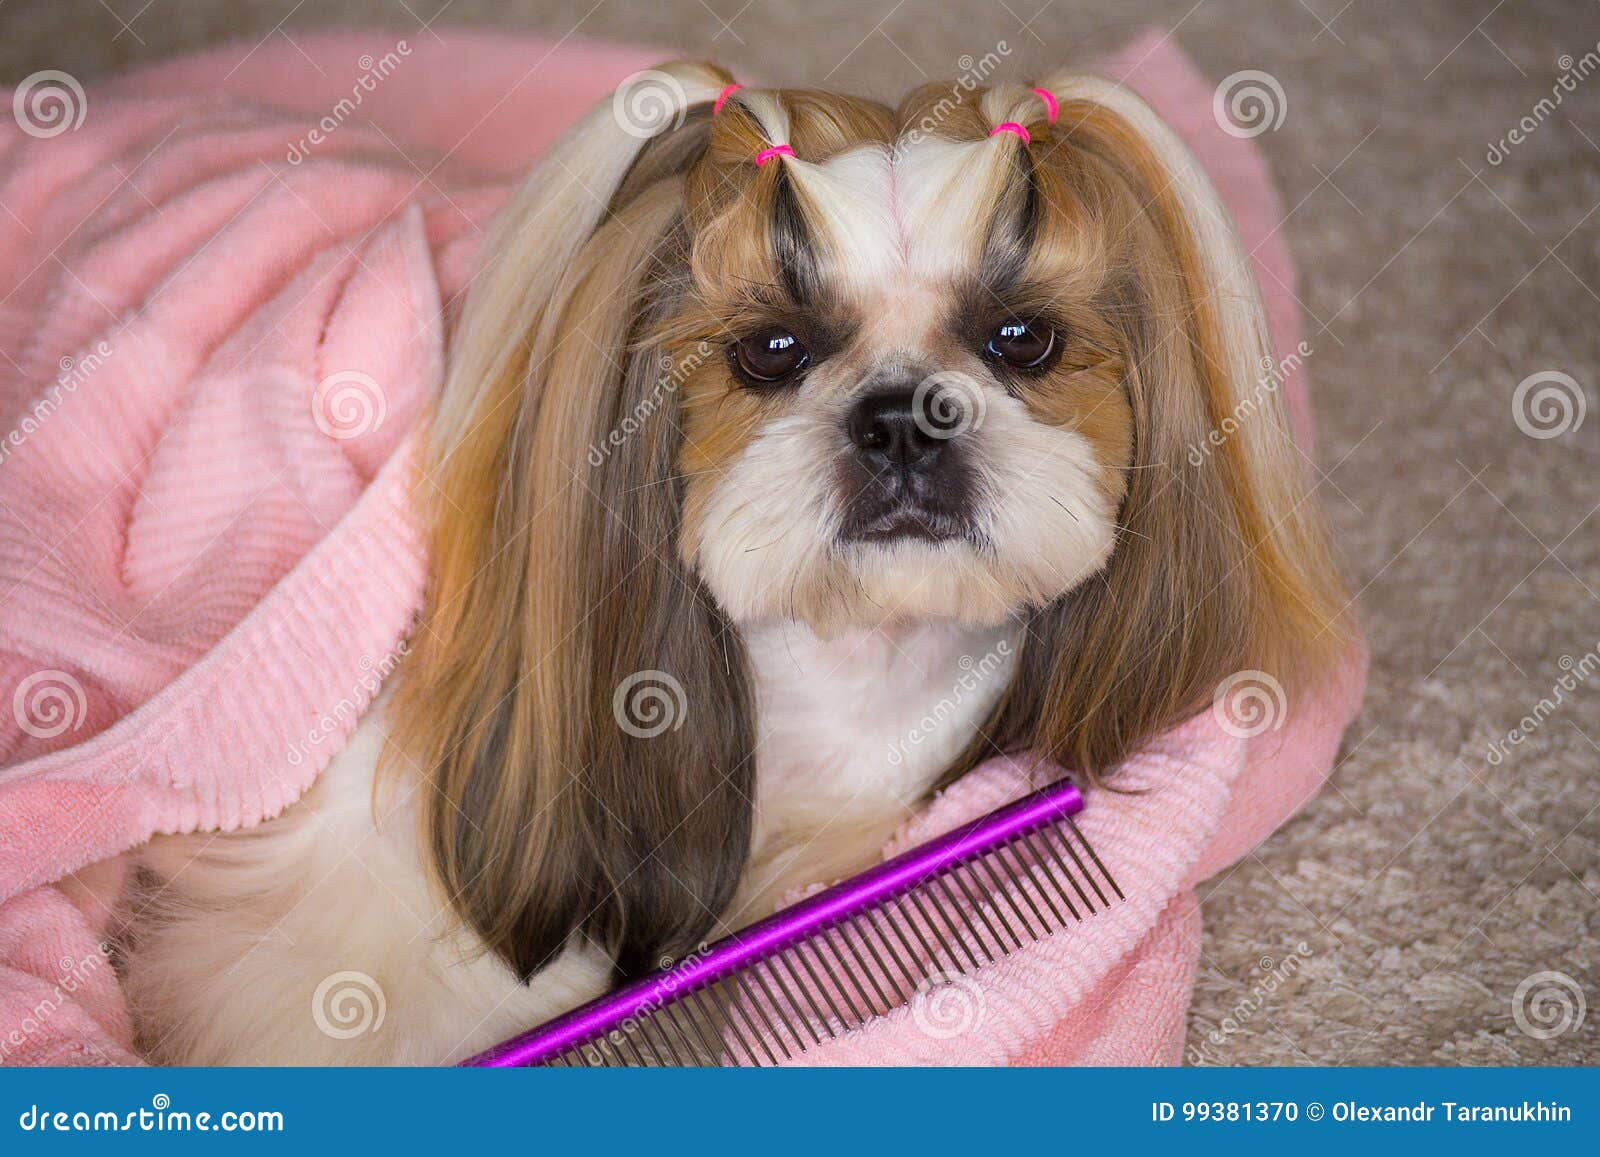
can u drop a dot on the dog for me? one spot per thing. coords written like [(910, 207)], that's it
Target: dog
[(795, 456)]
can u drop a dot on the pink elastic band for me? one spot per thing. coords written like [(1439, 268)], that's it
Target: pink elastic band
[(1010, 127), (1052, 109), (766, 155), (722, 98)]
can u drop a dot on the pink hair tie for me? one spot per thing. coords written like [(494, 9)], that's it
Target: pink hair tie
[(1052, 109), (766, 155), (1010, 127), (722, 98)]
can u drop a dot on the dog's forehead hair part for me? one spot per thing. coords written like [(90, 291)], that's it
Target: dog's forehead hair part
[(904, 221)]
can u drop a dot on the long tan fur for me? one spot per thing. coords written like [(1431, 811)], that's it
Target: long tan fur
[(566, 562)]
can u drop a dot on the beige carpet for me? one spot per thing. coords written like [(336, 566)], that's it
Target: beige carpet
[(1395, 920)]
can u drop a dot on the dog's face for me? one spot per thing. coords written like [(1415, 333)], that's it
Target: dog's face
[(915, 414), (800, 355)]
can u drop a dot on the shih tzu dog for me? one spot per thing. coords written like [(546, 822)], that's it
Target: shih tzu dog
[(763, 432)]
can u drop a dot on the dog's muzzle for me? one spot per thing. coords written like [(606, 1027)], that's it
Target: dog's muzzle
[(907, 474)]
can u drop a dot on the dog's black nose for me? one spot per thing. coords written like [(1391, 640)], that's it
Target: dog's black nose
[(899, 428), (908, 479)]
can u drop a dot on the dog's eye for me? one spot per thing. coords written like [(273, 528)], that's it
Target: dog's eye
[(1021, 345), (770, 356)]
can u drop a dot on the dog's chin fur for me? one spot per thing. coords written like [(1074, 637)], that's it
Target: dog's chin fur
[(910, 581)]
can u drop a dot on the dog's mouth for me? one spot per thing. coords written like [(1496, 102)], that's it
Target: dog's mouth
[(929, 499), (909, 522), (899, 507)]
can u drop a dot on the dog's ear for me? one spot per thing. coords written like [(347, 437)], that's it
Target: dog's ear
[(576, 702), (1222, 563)]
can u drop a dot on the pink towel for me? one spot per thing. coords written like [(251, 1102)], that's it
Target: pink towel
[(219, 316)]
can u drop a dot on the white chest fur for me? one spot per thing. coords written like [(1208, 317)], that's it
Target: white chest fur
[(851, 733)]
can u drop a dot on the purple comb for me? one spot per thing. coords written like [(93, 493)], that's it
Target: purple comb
[(744, 987)]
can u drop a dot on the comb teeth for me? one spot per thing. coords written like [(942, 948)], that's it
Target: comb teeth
[(967, 913)]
